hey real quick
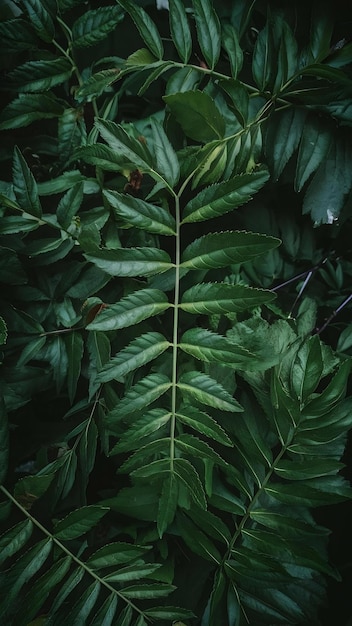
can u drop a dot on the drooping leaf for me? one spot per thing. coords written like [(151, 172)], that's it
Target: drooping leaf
[(166, 159), (208, 31), (74, 348), (25, 186), (95, 85), (84, 606), (207, 298), (313, 148), (167, 504), (146, 27), (208, 391), (231, 44), (107, 612), (284, 134), (145, 426), (69, 205), (132, 572), (179, 28), (141, 214), (94, 25), (130, 310), (223, 197), (223, 249), (114, 554), (131, 261), (41, 19), (197, 540), (14, 539), (197, 448), (307, 368), (197, 114), (140, 351), (79, 522)]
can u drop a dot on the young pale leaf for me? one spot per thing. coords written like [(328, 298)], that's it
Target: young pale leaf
[(208, 346), (140, 351), (202, 423), (25, 186), (40, 19), (143, 393), (197, 114), (40, 75), (224, 197), (167, 504), (230, 42), (39, 592), (207, 298), (131, 310), (146, 27), (208, 31), (179, 29), (222, 249), (313, 148), (144, 215), (79, 522), (94, 25), (107, 612), (114, 554), (131, 261), (166, 159), (14, 539), (30, 107), (208, 391)]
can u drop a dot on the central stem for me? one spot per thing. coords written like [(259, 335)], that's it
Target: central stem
[(175, 333)]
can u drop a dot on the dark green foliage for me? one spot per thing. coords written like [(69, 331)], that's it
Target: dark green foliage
[(172, 424)]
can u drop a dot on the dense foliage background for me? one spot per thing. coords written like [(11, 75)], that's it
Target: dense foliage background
[(175, 313)]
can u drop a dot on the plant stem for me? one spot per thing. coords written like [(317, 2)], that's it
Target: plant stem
[(175, 333)]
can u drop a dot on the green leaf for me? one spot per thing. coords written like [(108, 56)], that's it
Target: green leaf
[(132, 572), (189, 477), (3, 331), (64, 590), (307, 368), (222, 249), (208, 346), (133, 150), (167, 504), (197, 114), (74, 349), (22, 571), (197, 448), (283, 136), (114, 554), (146, 27), (197, 541), (307, 468), (95, 85), (141, 214), (223, 197), (40, 75), (179, 29), (25, 186), (131, 310), (202, 423), (207, 298), (143, 393), (310, 493), (84, 606), (40, 19), (107, 612), (208, 31), (146, 592), (231, 44), (321, 30), (330, 185), (17, 35), (140, 351), (79, 522), (66, 181), (287, 526), (94, 25), (147, 425), (313, 148), (169, 612), (39, 592), (166, 159), (140, 57), (14, 539), (207, 391), (131, 261), (28, 108), (69, 205)]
